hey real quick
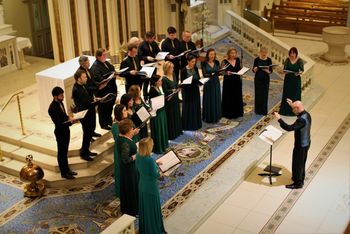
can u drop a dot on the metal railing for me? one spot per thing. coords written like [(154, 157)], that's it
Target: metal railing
[(19, 112), (19, 108)]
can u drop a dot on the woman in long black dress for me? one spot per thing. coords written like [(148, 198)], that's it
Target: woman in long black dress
[(293, 68), (232, 97), (262, 70), (129, 177), (191, 104), (172, 104), (212, 90)]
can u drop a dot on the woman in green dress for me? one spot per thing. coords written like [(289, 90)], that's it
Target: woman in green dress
[(293, 68), (135, 91), (159, 127), (120, 113), (150, 212), (191, 102), (129, 177), (212, 90), (172, 104)]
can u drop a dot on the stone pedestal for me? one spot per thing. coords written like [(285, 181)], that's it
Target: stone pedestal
[(337, 37)]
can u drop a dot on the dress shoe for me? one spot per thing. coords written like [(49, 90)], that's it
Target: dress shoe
[(95, 134), (92, 153), (72, 173), (68, 176), (87, 158), (107, 127), (294, 186)]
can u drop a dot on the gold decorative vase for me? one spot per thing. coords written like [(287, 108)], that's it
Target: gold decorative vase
[(32, 173)]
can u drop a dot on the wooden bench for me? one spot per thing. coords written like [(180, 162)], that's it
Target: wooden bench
[(305, 19)]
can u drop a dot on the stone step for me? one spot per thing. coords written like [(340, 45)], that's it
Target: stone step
[(53, 179), (49, 162)]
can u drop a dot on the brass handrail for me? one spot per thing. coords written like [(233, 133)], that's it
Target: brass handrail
[(19, 108)]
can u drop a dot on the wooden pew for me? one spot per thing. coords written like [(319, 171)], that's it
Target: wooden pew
[(306, 19)]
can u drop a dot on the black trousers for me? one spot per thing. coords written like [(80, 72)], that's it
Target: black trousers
[(62, 139), (105, 113), (88, 124), (298, 164)]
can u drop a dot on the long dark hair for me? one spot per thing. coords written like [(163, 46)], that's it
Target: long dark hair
[(118, 112), (208, 52), (125, 99)]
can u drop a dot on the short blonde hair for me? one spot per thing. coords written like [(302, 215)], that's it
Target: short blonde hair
[(166, 66), (145, 146)]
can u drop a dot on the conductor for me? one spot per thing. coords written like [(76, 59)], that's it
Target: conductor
[(302, 141)]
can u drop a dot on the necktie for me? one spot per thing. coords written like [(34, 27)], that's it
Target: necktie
[(135, 66), (150, 48), (88, 74), (186, 46), (172, 43), (62, 107), (105, 65)]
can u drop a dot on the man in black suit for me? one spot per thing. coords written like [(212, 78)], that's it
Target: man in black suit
[(187, 44), (131, 75), (172, 45), (62, 133), (83, 101), (101, 69), (91, 84), (302, 141), (147, 52)]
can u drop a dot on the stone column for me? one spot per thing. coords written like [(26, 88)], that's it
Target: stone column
[(113, 28), (53, 31), (83, 27), (66, 29)]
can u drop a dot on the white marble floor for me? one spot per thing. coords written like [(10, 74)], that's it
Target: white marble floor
[(324, 206)]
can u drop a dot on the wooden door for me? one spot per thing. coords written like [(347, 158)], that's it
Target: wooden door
[(41, 32)]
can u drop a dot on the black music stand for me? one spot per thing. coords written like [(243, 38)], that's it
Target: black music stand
[(270, 135)]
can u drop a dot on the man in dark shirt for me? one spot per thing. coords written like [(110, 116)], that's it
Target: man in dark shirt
[(62, 133), (302, 141), (101, 69), (147, 51), (187, 44), (131, 75), (172, 45), (83, 101), (91, 85)]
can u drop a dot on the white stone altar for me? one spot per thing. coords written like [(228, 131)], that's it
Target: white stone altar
[(9, 60), (60, 75), (22, 43), (337, 37)]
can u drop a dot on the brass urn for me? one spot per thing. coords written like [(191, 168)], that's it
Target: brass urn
[(32, 173)]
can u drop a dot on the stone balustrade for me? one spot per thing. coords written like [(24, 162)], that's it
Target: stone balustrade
[(253, 38), (9, 60)]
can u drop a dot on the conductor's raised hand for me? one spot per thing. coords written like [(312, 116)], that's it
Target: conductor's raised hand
[(277, 116)]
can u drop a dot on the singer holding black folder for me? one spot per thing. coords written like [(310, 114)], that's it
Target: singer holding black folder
[(172, 104), (212, 90), (159, 126), (191, 103), (232, 96), (262, 69), (133, 63), (101, 69), (62, 133), (83, 101)]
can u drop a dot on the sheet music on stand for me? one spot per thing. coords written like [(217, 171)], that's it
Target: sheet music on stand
[(270, 134), (161, 55), (168, 161)]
